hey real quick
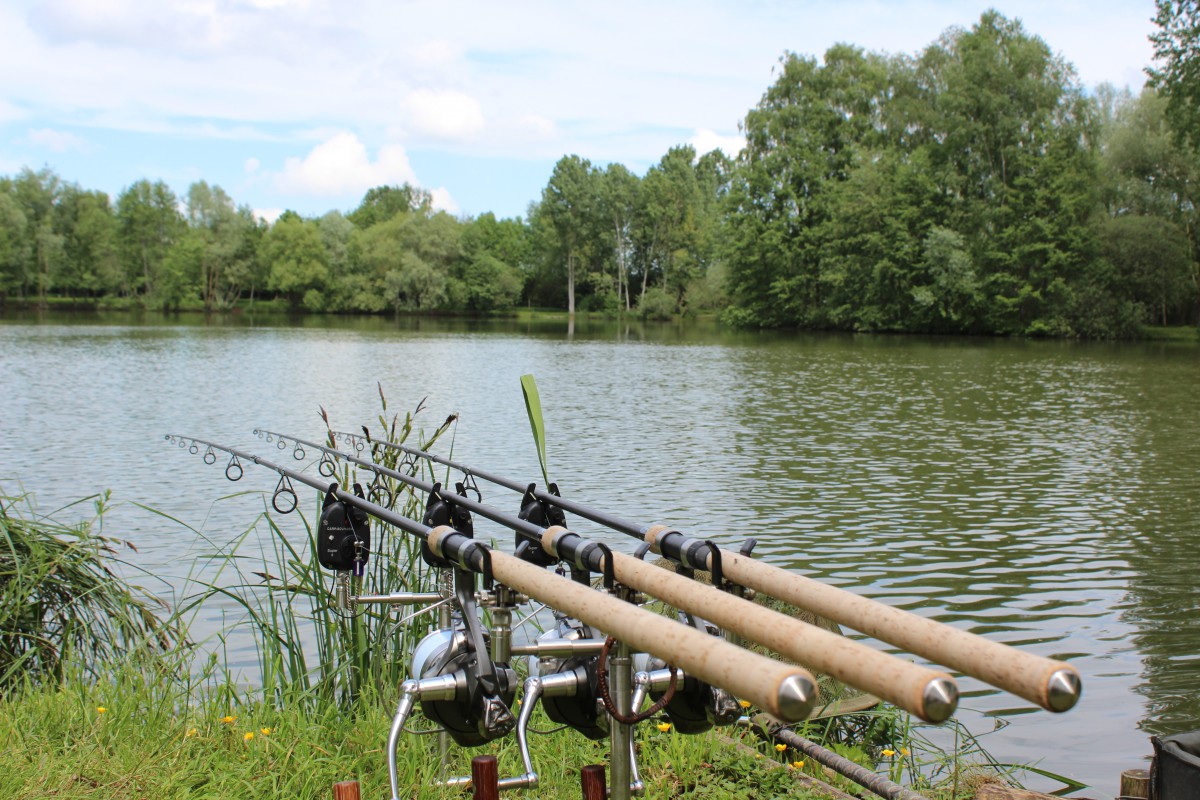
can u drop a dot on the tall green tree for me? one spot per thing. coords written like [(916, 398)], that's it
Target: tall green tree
[(297, 259), (38, 194), (1150, 185), (228, 236), (802, 138), (618, 203), (13, 242), (382, 203), (569, 205), (412, 259), (1177, 71), (148, 225), (91, 262), (1010, 147)]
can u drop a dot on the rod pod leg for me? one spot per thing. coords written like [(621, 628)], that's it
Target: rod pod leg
[(441, 688), (620, 672)]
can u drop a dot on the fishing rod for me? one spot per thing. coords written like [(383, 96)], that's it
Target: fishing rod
[(452, 667), (930, 695), (1051, 684)]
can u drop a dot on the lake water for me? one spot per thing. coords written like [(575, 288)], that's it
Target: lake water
[(1043, 494)]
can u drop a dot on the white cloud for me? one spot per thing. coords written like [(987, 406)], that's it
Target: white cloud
[(341, 166), (538, 126), (251, 165), (57, 141), (705, 141), (445, 114), (443, 201), (268, 215), (9, 112)]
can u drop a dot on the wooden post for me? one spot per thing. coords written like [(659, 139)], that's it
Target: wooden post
[(1135, 783), (592, 779), (346, 790), (485, 778)]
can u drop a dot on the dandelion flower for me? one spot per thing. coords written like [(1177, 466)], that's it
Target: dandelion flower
[(265, 731), (190, 733), (664, 726), (249, 735), (101, 709), (889, 753), (797, 764), (744, 703), (229, 720), (779, 748)]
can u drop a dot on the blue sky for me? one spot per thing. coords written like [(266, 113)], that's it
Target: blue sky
[(305, 104)]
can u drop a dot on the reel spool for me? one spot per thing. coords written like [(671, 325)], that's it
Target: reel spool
[(581, 709), (471, 716), (696, 706)]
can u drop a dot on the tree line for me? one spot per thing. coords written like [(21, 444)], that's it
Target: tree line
[(973, 187)]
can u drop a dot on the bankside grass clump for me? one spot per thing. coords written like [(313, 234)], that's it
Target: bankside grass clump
[(61, 603), (310, 652)]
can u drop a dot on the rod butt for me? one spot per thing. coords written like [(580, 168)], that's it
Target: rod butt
[(1063, 689), (940, 699), (797, 694)]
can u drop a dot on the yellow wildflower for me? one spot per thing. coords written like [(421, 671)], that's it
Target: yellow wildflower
[(265, 731), (903, 751), (101, 709), (664, 726), (229, 720), (797, 764), (190, 733), (889, 753), (744, 703), (249, 735), (780, 747)]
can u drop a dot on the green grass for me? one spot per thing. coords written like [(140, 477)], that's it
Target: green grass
[(1178, 333), (155, 740)]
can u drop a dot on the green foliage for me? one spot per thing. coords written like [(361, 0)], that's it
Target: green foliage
[(657, 304), (1177, 51), (533, 405), (297, 255), (62, 605)]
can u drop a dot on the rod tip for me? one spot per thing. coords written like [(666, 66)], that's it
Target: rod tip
[(1063, 689), (940, 699), (797, 695)]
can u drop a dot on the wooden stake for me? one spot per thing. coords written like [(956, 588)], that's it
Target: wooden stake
[(592, 779), (346, 790), (1135, 783), (485, 778)]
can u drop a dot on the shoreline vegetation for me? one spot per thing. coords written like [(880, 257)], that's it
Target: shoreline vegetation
[(277, 310), (974, 187), (133, 707)]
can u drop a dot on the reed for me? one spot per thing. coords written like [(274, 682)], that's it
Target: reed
[(61, 601), (310, 652)]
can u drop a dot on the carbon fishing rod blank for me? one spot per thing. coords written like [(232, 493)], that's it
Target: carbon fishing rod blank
[(1054, 685), (785, 691), (930, 695)]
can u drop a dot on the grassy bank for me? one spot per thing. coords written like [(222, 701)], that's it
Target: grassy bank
[(134, 736)]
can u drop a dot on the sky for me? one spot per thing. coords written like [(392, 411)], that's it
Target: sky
[(306, 104)]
